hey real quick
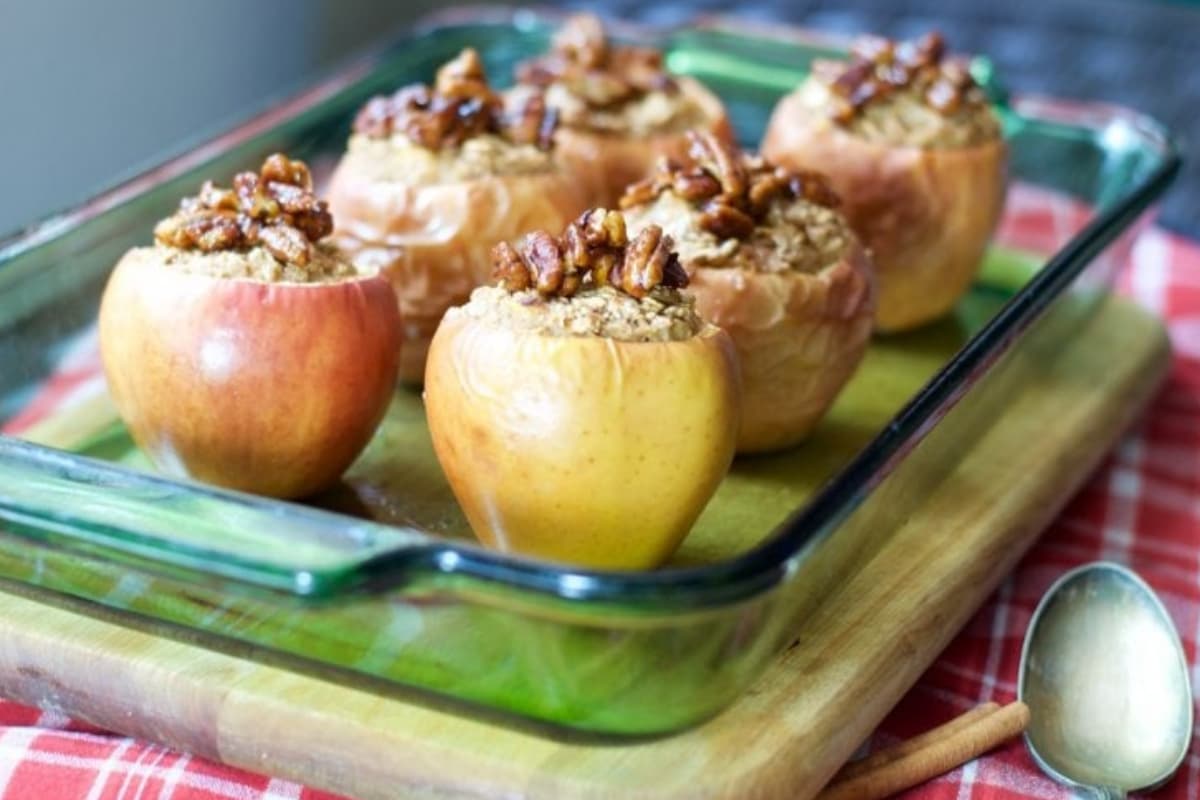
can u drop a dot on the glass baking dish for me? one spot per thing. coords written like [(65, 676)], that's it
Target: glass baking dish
[(380, 580)]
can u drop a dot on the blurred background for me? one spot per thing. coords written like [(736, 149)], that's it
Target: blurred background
[(91, 92)]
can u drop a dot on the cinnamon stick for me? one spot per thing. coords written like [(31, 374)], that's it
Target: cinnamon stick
[(944, 748), (897, 751)]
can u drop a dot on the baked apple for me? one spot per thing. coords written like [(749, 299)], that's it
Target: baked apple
[(619, 108), (772, 262), (433, 178), (242, 349), (910, 143), (581, 409)]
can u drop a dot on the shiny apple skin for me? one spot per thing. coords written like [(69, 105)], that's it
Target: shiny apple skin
[(585, 451), (268, 388), (433, 242), (608, 162), (799, 338), (925, 214)]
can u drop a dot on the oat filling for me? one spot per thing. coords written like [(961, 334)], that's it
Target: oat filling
[(455, 130), (903, 93), (268, 228), (597, 86), (725, 209), (593, 281)]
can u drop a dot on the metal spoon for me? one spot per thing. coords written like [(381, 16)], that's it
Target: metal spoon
[(1106, 682)]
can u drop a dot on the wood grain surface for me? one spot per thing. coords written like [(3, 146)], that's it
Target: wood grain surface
[(1021, 445)]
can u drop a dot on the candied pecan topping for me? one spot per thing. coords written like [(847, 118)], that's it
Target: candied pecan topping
[(734, 191), (582, 59), (274, 208), (878, 67), (593, 251), (459, 106)]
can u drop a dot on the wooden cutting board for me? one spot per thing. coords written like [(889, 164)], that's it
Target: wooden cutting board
[(867, 644)]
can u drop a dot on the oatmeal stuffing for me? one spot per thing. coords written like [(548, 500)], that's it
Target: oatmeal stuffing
[(663, 315), (257, 264)]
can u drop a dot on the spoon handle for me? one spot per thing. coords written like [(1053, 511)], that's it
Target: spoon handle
[(1107, 793)]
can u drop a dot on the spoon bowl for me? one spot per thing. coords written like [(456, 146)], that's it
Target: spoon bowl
[(1106, 681)]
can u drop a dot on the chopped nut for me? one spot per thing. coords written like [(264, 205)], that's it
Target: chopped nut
[(463, 77), (461, 105), (943, 96), (734, 191), (582, 39), (286, 243), (530, 121), (593, 251), (279, 169), (508, 270), (274, 208)]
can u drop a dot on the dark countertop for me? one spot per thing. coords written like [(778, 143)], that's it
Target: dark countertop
[(1144, 54)]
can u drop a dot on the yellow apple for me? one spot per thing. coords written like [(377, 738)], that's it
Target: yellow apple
[(583, 450)]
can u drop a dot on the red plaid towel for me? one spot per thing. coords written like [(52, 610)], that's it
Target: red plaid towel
[(1142, 508)]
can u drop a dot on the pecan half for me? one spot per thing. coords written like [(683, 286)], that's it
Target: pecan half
[(649, 262), (593, 251), (274, 208), (726, 221)]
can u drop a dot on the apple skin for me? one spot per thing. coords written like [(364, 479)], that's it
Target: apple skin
[(268, 388), (433, 242), (608, 163), (799, 339), (925, 214), (587, 451)]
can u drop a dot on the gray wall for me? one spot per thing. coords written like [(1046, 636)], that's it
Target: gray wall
[(92, 89)]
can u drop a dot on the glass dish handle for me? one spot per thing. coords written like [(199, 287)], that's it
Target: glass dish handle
[(192, 531)]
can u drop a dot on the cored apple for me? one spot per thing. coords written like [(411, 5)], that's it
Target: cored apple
[(774, 264), (799, 337), (582, 450), (926, 214), (265, 387), (432, 240)]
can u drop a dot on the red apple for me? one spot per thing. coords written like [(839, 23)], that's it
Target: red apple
[(270, 388)]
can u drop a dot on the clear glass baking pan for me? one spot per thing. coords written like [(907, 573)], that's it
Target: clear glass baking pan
[(380, 578)]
